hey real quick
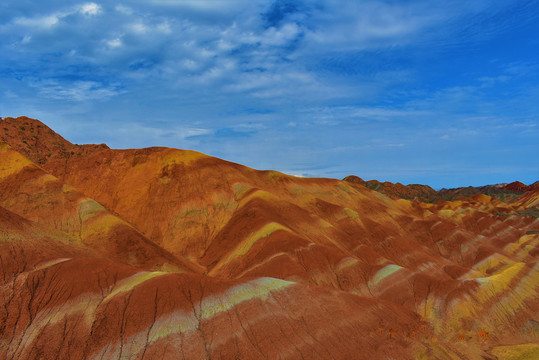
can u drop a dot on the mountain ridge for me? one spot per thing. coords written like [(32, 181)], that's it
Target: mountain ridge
[(506, 192)]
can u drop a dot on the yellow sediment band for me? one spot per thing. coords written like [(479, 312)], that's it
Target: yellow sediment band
[(346, 262), (181, 156), (211, 306), (246, 244), (385, 272), (492, 261), (517, 352), (182, 321), (11, 162), (258, 194), (89, 208), (131, 282)]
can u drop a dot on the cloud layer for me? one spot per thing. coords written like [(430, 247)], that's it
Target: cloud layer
[(439, 92)]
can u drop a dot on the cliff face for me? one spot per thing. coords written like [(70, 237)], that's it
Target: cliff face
[(165, 253)]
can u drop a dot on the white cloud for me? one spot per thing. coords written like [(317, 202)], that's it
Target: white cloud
[(76, 91), (190, 65), (221, 69), (124, 9), (164, 27), (143, 136), (367, 113), (374, 24), (280, 36), (90, 9), (114, 43), (139, 28), (48, 21), (41, 22), (487, 81), (208, 5)]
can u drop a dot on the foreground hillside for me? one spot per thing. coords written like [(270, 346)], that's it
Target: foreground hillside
[(165, 253)]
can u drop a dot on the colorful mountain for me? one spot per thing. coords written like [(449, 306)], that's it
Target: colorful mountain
[(161, 253)]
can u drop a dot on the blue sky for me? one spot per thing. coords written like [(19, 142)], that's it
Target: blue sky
[(444, 93)]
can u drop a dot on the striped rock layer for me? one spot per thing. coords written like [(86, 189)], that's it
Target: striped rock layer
[(162, 253)]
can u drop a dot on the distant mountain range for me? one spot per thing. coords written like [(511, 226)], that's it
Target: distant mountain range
[(504, 192)]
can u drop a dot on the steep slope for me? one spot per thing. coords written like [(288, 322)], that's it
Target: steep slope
[(29, 191), (458, 278), (38, 142), (530, 202)]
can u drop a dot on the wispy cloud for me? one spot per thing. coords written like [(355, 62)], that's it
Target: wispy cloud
[(144, 135), (47, 21), (76, 91)]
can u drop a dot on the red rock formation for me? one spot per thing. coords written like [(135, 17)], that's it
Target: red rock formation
[(516, 186), (164, 253)]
